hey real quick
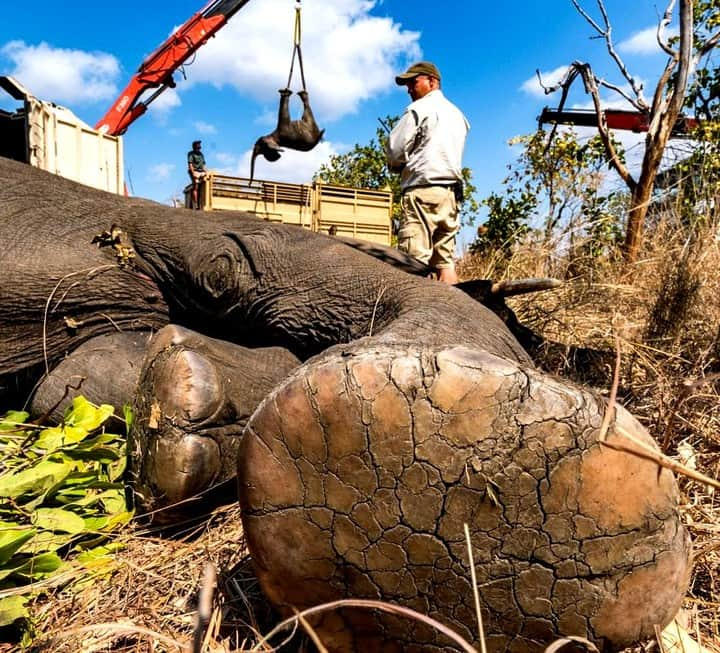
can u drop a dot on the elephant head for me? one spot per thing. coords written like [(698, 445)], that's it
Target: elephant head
[(397, 410)]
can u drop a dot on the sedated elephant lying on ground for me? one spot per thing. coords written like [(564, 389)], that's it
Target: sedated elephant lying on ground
[(371, 414)]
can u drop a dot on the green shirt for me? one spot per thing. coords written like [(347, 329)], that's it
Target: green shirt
[(196, 160)]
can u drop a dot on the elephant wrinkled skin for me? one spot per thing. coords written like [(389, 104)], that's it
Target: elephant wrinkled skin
[(372, 413)]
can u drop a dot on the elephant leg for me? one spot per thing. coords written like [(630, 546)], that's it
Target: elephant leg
[(104, 370), (194, 398), (358, 474)]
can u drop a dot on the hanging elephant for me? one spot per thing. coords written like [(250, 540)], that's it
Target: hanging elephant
[(302, 135), (369, 415)]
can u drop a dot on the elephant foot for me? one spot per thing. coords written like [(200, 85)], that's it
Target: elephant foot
[(194, 398), (358, 474), (104, 370)]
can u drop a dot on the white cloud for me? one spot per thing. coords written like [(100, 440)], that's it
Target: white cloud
[(348, 55), (645, 41), (615, 101), (160, 171), (226, 159), (60, 75), (204, 127), (161, 107), (549, 78)]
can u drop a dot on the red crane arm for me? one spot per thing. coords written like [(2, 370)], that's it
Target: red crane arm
[(157, 70), (635, 121)]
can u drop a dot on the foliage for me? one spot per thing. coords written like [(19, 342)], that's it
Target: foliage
[(697, 177), (62, 495), (695, 180), (698, 38), (555, 186), (365, 166), (703, 94)]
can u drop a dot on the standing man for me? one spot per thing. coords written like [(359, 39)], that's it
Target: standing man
[(196, 170), (426, 148)]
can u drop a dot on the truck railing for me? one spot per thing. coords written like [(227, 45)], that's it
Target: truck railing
[(356, 212)]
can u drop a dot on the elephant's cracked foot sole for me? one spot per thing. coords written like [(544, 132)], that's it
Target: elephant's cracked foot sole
[(194, 398), (358, 474)]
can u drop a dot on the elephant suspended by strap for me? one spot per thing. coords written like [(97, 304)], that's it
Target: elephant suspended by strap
[(303, 134)]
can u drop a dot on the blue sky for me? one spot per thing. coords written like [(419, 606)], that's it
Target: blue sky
[(81, 55)]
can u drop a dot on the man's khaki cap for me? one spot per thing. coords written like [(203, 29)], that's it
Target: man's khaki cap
[(419, 68)]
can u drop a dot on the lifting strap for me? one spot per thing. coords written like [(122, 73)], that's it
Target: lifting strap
[(297, 50)]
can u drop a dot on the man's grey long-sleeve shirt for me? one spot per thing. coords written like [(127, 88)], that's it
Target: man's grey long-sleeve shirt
[(426, 145)]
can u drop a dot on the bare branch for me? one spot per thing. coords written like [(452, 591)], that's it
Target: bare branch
[(638, 103), (708, 45), (572, 73), (664, 117), (591, 88), (603, 131), (659, 94), (588, 18), (664, 22), (606, 33), (685, 68), (564, 83)]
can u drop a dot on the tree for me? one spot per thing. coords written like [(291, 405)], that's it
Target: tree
[(699, 174), (365, 166), (694, 42), (556, 185)]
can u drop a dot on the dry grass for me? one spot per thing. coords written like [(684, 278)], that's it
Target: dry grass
[(665, 315), (148, 601)]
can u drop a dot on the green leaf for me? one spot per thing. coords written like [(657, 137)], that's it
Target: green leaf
[(36, 480), (57, 519), (96, 523), (105, 455), (13, 419), (116, 470), (79, 480), (100, 552), (46, 541), (119, 519), (11, 540), (40, 566), (101, 439), (87, 416), (50, 439), (90, 499), (13, 608), (129, 418)]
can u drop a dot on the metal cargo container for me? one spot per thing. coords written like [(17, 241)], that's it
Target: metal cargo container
[(53, 138), (355, 212)]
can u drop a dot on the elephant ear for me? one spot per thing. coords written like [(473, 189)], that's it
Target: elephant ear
[(259, 248)]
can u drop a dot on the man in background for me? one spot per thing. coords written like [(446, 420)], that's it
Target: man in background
[(426, 148), (197, 171)]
